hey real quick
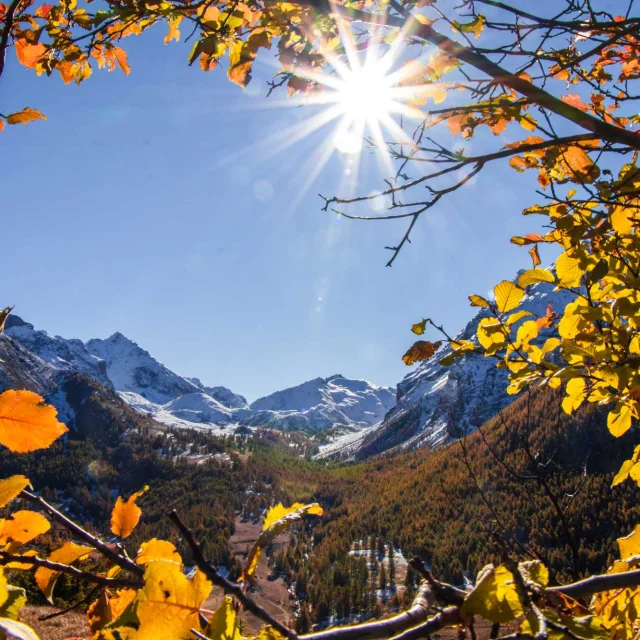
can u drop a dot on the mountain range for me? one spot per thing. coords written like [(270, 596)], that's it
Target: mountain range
[(350, 418)]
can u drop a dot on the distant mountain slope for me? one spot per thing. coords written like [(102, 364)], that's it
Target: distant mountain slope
[(437, 403), (153, 389), (336, 400)]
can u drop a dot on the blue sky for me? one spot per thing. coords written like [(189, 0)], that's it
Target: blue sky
[(148, 205)]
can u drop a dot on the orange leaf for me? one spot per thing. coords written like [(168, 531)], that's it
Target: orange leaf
[(66, 71), (26, 424), (22, 527), (574, 100), (25, 116), (43, 11), (29, 54), (125, 515), (11, 487), (535, 256), (421, 350), (1, 124), (121, 57)]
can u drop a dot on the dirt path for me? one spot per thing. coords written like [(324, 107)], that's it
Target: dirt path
[(272, 595)]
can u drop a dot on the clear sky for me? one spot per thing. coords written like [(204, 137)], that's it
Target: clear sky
[(150, 205)]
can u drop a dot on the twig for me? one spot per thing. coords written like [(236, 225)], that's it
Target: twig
[(446, 618), (95, 542), (62, 612), (116, 583), (232, 587)]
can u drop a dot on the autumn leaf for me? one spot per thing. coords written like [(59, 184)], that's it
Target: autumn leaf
[(420, 350), (479, 301), (22, 527), (4, 314), (630, 545), (576, 394), (121, 58), (419, 327), (278, 519), (174, 32), (535, 256), (619, 419), (574, 100), (508, 296), (29, 54), (25, 116), (25, 423), (168, 605), (68, 553), (125, 515), (225, 623), (495, 596), (533, 276), (155, 549), (11, 487)]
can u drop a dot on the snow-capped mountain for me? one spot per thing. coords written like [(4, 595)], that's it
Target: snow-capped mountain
[(436, 403), (156, 391), (327, 403), (60, 353)]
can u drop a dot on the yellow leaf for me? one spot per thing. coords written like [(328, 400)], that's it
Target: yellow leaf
[(630, 545), (11, 487), (532, 276), (527, 332), (225, 623), (508, 296), (174, 32), (168, 604), (534, 572), (420, 350), (25, 423), (494, 597), (278, 519), (156, 549), (575, 395), (125, 515), (619, 419), (22, 527), (68, 553), (479, 301), (419, 327), (569, 325), (622, 218), (569, 270), (25, 116)]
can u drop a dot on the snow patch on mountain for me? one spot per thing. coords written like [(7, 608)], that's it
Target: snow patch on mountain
[(436, 404), (326, 403)]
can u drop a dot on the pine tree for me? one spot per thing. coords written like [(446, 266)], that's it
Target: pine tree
[(392, 567)]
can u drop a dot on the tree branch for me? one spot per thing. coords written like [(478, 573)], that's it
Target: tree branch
[(115, 583), (231, 587), (95, 542), (501, 76), (8, 24)]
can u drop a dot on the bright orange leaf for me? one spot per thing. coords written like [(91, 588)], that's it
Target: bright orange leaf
[(125, 515), (26, 424)]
